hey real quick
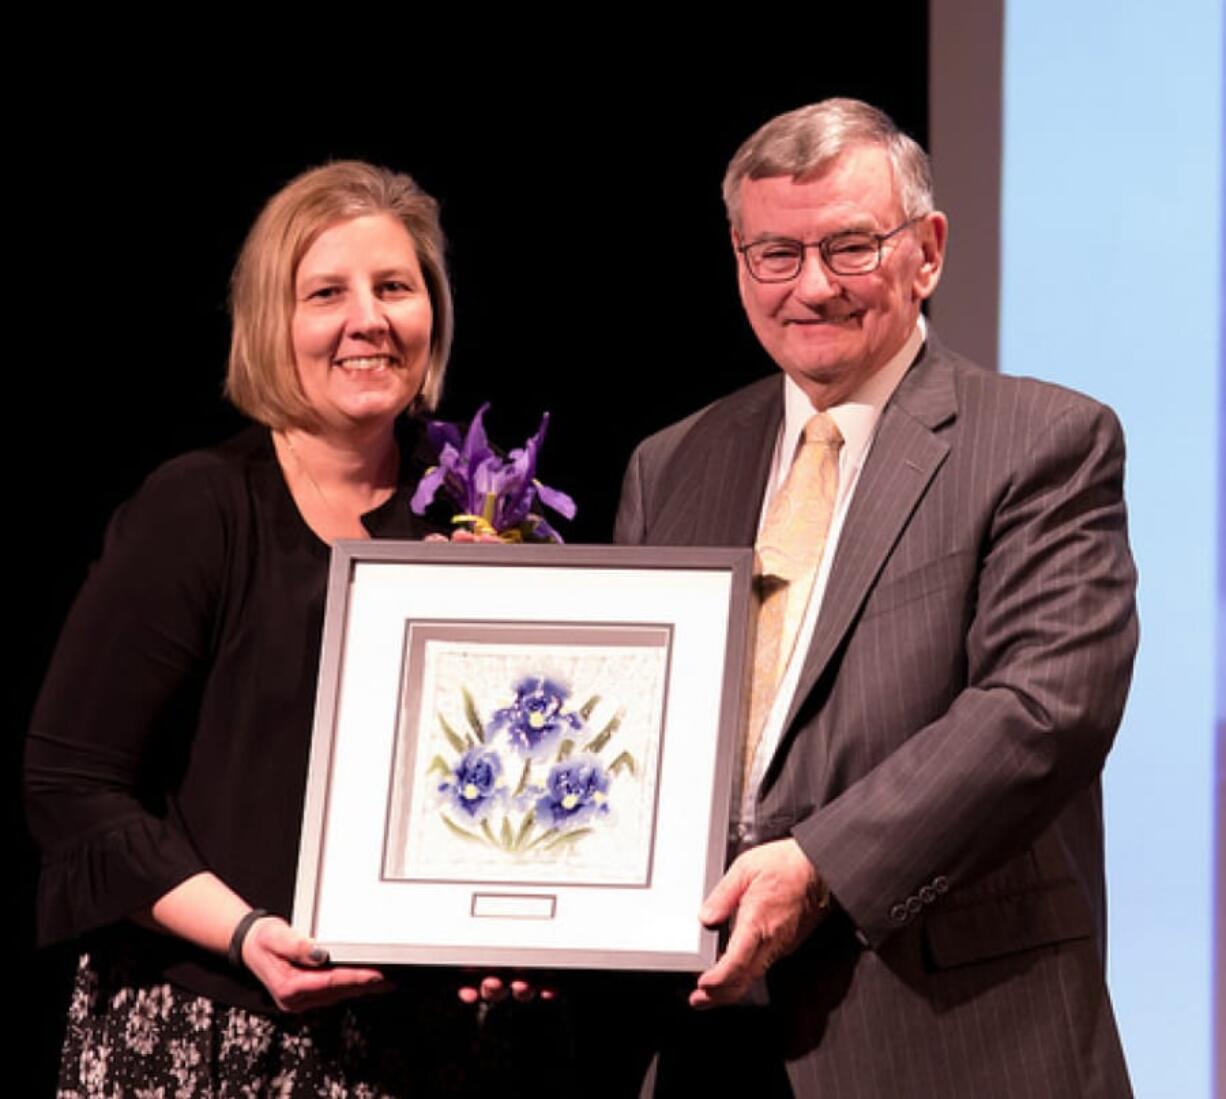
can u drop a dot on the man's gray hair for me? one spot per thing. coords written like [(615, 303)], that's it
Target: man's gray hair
[(803, 142)]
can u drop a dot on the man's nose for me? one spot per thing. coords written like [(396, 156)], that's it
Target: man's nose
[(814, 282)]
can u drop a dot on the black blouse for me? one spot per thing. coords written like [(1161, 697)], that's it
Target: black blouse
[(173, 729)]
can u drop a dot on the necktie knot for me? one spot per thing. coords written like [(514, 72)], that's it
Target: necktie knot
[(821, 429), (795, 527)]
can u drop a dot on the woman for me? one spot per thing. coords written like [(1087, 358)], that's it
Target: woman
[(168, 752)]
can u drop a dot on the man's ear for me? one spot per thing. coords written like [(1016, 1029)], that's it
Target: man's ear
[(738, 259), (932, 232)]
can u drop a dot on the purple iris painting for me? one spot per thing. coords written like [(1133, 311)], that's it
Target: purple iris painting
[(495, 495), (472, 786), (535, 720), (575, 791), (531, 781)]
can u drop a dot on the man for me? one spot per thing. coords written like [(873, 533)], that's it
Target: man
[(920, 876)]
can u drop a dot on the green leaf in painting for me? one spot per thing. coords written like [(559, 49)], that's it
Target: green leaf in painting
[(567, 837), (459, 831), (565, 749), (489, 832), (585, 711), (438, 764), (524, 828), (453, 738), (624, 760), (507, 837), (602, 738), (523, 778), (541, 839), (474, 718)]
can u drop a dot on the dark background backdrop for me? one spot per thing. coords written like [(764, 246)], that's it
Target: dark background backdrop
[(561, 178)]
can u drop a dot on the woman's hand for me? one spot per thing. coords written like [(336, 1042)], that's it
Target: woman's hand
[(463, 536), (295, 969)]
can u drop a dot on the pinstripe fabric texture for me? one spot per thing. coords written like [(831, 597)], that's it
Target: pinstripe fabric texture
[(940, 761)]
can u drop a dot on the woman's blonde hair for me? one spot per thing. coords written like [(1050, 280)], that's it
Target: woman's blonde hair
[(262, 378)]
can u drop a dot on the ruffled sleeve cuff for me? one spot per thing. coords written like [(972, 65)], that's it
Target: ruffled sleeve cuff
[(107, 877)]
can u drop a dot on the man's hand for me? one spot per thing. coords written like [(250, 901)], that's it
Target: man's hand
[(491, 990), (775, 899)]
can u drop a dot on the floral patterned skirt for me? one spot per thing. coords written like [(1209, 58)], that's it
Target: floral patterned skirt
[(148, 1040)]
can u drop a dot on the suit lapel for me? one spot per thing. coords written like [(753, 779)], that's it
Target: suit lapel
[(722, 466), (905, 455)]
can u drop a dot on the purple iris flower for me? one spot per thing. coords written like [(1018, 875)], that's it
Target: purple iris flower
[(534, 721), (474, 783), (576, 790), (495, 494)]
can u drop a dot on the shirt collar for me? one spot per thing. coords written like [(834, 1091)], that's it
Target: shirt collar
[(856, 417)]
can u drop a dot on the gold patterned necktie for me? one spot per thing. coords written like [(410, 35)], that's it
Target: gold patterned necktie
[(789, 548)]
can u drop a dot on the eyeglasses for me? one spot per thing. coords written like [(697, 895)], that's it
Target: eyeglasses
[(851, 252)]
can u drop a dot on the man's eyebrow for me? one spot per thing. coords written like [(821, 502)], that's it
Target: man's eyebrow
[(855, 225), (763, 238)]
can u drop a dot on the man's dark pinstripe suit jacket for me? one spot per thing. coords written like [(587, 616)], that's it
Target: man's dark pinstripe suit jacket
[(940, 763)]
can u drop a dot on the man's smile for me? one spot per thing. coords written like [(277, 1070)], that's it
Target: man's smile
[(824, 320)]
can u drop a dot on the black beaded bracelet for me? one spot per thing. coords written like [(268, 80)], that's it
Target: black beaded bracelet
[(235, 953)]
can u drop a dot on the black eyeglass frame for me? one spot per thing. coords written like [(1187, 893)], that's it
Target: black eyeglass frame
[(824, 248)]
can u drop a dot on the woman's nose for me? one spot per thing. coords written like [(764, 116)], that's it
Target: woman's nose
[(366, 313)]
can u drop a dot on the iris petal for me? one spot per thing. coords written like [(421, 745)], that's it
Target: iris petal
[(473, 474), (441, 434), (476, 446), (556, 499), (426, 489)]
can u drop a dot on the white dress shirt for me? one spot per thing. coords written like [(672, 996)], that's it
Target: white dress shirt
[(857, 420)]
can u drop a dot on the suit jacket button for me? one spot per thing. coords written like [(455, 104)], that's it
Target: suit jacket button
[(940, 883), (914, 905), (927, 894), (899, 913)]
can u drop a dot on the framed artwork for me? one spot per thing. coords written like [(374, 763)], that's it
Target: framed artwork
[(523, 755)]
